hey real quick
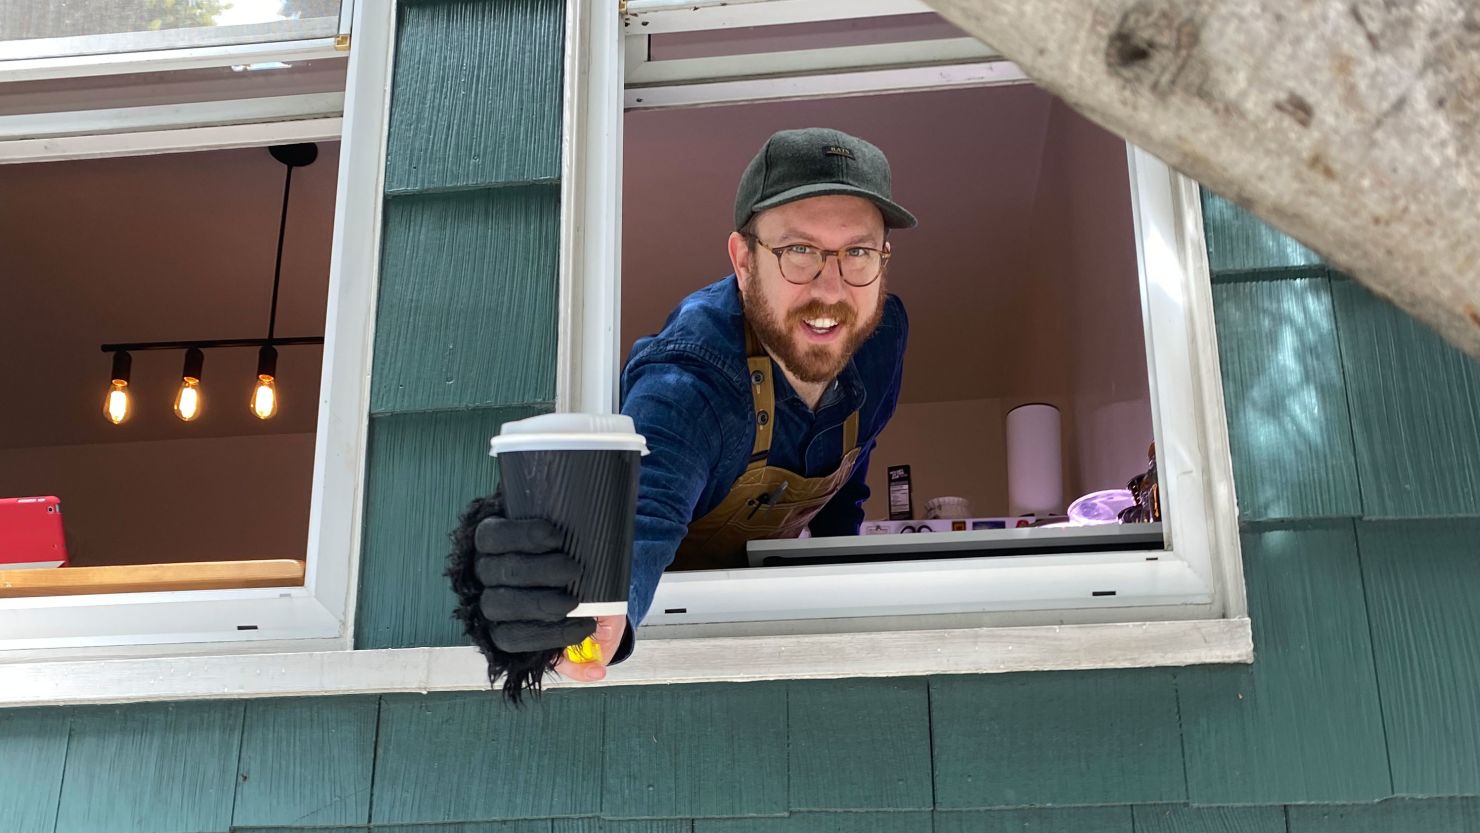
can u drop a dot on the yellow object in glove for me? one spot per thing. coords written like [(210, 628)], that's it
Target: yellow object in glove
[(588, 651)]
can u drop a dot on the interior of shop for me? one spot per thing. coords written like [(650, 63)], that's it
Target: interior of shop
[(1020, 282), (178, 247)]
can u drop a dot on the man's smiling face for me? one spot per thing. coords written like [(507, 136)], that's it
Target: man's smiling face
[(813, 329)]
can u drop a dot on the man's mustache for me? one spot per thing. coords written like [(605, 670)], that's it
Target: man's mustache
[(841, 313)]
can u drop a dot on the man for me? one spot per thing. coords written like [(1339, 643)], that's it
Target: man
[(740, 451)]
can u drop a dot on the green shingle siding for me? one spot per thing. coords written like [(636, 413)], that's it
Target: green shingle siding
[(1210, 819), (1423, 582), (476, 96), (1069, 820), (1303, 723), (1288, 425), (151, 768), (424, 467), (459, 758), (1449, 816), (694, 750), (306, 762), (466, 312), (33, 751), (1033, 739), (1238, 242), (1415, 405), (860, 745)]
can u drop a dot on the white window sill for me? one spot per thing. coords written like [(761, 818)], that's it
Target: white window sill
[(992, 650)]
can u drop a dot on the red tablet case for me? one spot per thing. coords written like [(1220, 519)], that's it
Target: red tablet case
[(31, 533)]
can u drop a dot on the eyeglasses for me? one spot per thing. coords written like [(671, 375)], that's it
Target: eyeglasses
[(801, 263)]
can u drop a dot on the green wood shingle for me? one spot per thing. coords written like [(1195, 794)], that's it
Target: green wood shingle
[(33, 751), (466, 311), (1423, 580), (422, 470), (306, 762), (919, 822), (859, 745), (1415, 405), (1288, 424), (470, 756), (695, 750), (527, 826), (1437, 815), (1167, 819), (151, 768), (476, 97), (597, 825), (1303, 723), (1238, 241), (1065, 820), (1061, 738)]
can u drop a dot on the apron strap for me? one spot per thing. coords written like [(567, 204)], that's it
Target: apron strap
[(762, 396)]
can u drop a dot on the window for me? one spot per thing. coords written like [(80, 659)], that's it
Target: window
[(100, 128), (723, 77), (39, 29)]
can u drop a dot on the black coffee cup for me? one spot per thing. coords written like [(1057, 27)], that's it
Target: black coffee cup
[(578, 471)]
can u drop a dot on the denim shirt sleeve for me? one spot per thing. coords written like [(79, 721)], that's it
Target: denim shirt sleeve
[(673, 406)]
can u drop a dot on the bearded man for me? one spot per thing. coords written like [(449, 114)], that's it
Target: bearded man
[(761, 398)]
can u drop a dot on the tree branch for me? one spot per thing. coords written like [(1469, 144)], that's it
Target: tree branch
[(1352, 126)]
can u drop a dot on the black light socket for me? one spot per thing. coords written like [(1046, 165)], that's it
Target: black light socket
[(267, 361), (123, 363), (194, 362)]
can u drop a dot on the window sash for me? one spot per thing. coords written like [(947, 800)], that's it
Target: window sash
[(319, 615)]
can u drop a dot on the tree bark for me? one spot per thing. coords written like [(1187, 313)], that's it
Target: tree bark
[(1351, 125)]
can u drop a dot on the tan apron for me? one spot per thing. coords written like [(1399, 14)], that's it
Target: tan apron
[(766, 501)]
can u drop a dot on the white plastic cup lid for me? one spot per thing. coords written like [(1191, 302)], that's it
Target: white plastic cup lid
[(569, 432)]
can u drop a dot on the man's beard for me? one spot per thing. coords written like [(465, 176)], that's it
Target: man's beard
[(810, 363)]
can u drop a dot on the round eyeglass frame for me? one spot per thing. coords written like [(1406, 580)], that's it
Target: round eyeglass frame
[(884, 255)]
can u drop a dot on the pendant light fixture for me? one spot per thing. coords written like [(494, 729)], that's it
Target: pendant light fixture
[(264, 396), (189, 400), (264, 401), (116, 404)]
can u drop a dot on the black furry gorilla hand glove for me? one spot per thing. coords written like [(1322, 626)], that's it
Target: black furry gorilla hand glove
[(510, 578)]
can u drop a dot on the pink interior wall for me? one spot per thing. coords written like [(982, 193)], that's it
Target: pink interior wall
[(218, 499), (1085, 238), (952, 448)]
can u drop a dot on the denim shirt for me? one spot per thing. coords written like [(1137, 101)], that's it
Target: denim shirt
[(688, 391)]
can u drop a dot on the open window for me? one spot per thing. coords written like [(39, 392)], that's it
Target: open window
[(190, 244), (1054, 266), (102, 32)]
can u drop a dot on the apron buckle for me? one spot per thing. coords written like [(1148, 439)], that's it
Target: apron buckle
[(767, 500)]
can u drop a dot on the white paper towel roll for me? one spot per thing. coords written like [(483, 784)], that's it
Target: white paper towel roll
[(1035, 479)]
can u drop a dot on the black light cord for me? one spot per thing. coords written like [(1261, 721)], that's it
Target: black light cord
[(277, 272)]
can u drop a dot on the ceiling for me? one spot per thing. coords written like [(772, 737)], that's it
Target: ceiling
[(968, 163), (153, 248)]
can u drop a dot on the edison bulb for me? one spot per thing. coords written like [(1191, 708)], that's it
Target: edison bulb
[(188, 400), (116, 404), (264, 398)]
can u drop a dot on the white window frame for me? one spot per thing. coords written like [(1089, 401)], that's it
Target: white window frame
[(586, 380), (320, 614), (142, 51), (1196, 579)]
